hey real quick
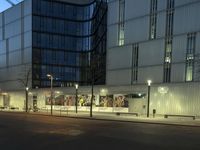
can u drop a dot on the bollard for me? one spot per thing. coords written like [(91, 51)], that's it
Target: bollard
[(154, 113)]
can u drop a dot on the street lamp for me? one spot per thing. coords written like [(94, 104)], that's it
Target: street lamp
[(76, 86), (51, 78), (148, 102), (27, 99)]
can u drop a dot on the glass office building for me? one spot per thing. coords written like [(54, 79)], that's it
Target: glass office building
[(69, 42), (153, 40)]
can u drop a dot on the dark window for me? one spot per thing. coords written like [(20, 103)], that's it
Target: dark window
[(135, 54)]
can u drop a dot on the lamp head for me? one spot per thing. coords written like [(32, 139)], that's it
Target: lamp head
[(48, 75), (76, 86), (149, 82)]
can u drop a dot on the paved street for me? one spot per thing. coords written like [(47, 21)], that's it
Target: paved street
[(20, 132)]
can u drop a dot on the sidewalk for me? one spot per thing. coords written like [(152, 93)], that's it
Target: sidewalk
[(122, 118), (128, 118)]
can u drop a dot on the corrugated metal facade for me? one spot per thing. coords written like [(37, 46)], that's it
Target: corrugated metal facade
[(180, 98)]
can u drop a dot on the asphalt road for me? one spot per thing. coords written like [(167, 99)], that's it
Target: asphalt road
[(35, 132)]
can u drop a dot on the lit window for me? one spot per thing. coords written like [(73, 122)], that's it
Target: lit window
[(153, 19), (190, 51), (168, 40), (121, 22)]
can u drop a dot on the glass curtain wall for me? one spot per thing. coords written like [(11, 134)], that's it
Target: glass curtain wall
[(65, 39)]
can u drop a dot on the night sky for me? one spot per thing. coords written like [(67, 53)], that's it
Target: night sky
[(5, 5)]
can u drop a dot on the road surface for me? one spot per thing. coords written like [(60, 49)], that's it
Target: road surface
[(19, 131)]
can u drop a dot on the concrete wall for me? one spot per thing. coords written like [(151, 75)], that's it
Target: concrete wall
[(15, 44), (151, 52)]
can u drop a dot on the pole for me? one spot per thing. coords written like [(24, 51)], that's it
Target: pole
[(76, 100), (51, 95), (92, 99), (148, 102), (26, 100), (91, 104)]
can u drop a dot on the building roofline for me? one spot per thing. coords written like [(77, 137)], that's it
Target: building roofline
[(12, 7), (58, 1)]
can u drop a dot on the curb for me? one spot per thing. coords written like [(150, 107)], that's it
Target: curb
[(110, 120)]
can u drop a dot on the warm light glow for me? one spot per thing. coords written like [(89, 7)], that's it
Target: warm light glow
[(163, 90), (4, 94), (149, 82), (57, 92), (103, 92), (48, 75), (29, 93), (76, 86)]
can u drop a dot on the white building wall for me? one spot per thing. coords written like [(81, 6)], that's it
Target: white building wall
[(178, 72), (112, 36), (133, 32), (179, 49), (136, 8), (151, 52), (181, 98), (186, 19), (119, 57), (185, 2), (161, 24), (1, 100), (15, 44), (154, 73), (119, 77), (13, 14), (27, 7), (161, 5), (113, 12), (17, 99), (1, 33), (2, 46), (1, 19), (3, 61)]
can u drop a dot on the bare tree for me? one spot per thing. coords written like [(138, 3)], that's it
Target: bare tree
[(25, 81), (96, 74)]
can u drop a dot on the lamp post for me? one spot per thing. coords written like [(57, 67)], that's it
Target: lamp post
[(76, 103), (27, 99), (92, 97), (51, 78), (148, 102)]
